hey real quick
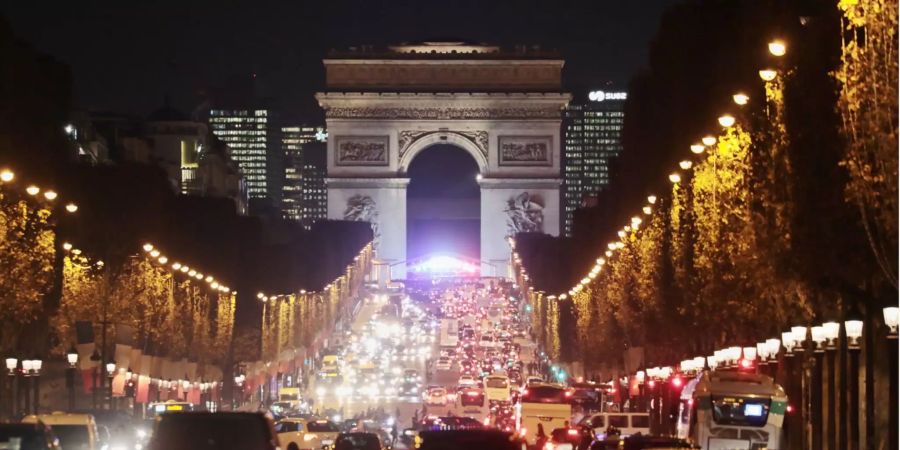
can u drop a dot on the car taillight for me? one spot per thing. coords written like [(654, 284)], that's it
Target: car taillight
[(572, 432)]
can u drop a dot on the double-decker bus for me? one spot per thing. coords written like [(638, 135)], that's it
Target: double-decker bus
[(733, 410)]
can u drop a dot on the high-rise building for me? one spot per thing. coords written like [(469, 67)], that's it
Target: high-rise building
[(293, 141), (253, 139), (591, 140), (315, 192)]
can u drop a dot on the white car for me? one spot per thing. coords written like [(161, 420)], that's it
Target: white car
[(467, 380), (443, 363), (436, 396), (297, 433)]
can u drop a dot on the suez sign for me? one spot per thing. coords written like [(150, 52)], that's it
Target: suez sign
[(599, 96)]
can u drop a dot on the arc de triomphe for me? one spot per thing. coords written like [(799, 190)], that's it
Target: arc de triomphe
[(384, 107)]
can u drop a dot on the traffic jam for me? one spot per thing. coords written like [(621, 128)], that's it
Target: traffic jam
[(451, 364)]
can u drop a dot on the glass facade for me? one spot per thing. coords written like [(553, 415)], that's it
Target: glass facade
[(247, 133), (293, 142), (315, 192), (592, 138)]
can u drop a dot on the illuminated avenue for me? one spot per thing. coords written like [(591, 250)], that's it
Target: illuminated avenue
[(656, 225)]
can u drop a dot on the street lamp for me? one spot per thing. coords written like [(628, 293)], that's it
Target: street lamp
[(854, 329), (685, 165), (675, 178), (832, 331), (892, 319), (697, 148), (7, 175), (768, 74), (110, 373), (726, 120), (740, 98), (708, 140), (72, 359), (777, 47), (793, 341), (11, 365)]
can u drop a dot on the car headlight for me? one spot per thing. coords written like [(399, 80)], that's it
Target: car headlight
[(141, 433)]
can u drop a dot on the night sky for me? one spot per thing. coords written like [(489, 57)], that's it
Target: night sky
[(128, 56)]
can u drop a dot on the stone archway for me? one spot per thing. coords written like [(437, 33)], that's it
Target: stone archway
[(383, 109), (413, 142)]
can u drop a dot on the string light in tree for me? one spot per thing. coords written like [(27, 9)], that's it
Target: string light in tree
[(156, 256)]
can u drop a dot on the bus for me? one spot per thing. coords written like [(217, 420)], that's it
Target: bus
[(496, 386), (732, 410), (449, 337), (471, 402), (542, 405)]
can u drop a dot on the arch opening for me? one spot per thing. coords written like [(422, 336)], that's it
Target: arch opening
[(443, 201)]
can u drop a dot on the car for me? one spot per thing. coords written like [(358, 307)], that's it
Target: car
[(219, 430), (532, 380), (467, 380), (443, 363), (75, 431), (467, 439), (296, 433), (28, 436), (436, 395), (411, 375), (358, 441), (570, 438), (640, 442)]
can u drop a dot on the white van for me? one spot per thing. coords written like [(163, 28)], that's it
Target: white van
[(627, 423), (75, 431)]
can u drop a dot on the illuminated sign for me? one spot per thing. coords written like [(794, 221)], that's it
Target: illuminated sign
[(599, 96)]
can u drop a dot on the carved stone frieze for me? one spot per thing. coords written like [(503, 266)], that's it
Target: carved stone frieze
[(361, 150), (525, 150), (441, 113), (406, 138)]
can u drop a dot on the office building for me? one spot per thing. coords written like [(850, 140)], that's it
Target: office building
[(315, 192), (253, 140), (176, 142), (591, 140), (293, 141)]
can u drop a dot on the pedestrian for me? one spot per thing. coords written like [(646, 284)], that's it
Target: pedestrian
[(394, 434), (540, 437)]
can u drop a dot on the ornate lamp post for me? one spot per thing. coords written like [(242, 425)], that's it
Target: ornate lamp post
[(11, 365), (36, 366), (854, 329), (832, 331), (793, 358), (892, 320), (110, 373), (72, 359), (818, 337)]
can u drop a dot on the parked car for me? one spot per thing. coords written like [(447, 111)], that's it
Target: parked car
[(27, 436), (220, 431), (75, 431)]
